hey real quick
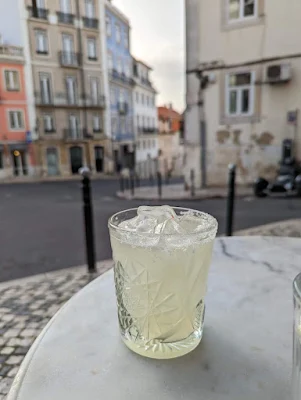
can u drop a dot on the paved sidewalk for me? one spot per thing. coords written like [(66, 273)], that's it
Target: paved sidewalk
[(38, 179), (177, 192), (26, 306)]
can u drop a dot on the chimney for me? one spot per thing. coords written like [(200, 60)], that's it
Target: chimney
[(170, 106)]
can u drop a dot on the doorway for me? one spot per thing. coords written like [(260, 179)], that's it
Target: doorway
[(52, 161), (76, 159), (99, 158)]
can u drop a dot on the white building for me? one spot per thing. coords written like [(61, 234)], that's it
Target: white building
[(250, 53), (145, 119)]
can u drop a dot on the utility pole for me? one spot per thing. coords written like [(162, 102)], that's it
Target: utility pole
[(203, 130)]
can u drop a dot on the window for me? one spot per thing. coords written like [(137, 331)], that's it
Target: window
[(143, 122), (146, 100), (121, 96), (45, 86), (240, 94), (114, 125), (241, 9), (118, 33), (108, 26), (95, 90), (97, 123), (71, 90), (137, 97), (110, 61), (129, 125), (89, 6), (137, 120), (12, 81), (91, 46), (142, 98), (126, 39), (16, 120), (74, 126), (112, 96), (48, 123), (1, 159), (41, 41), (119, 65)]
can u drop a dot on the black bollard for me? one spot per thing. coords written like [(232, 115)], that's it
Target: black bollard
[(192, 183), (88, 219), (230, 200), (121, 180), (159, 180), (132, 182)]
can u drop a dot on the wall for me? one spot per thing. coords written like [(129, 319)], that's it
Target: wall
[(253, 143)]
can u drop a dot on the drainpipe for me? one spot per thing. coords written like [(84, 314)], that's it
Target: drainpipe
[(82, 74)]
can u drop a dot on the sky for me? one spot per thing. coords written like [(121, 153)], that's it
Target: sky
[(157, 38)]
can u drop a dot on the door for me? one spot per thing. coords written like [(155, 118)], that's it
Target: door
[(94, 90), (71, 89), (90, 9), (52, 161), (74, 127), (68, 49), (99, 158), (65, 6), (76, 159)]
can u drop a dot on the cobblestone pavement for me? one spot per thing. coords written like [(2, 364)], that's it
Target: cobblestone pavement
[(26, 306)]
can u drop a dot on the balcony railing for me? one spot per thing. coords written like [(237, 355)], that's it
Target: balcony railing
[(98, 102), (69, 59), (65, 18), (123, 107), (146, 82), (121, 77), (40, 13), (43, 99), (74, 134), (12, 51), (142, 130), (90, 22)]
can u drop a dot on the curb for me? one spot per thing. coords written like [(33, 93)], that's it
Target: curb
[(76, 178), (126, 196)]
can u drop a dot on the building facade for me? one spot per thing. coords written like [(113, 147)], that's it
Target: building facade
[(145, 119), (251, 79), (120, 72), (66, 91), (16, 152), (171, 146)]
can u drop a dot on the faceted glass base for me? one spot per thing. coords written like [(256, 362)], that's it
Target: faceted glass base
[(163, 351)]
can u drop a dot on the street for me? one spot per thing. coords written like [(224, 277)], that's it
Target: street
[(42, 225)]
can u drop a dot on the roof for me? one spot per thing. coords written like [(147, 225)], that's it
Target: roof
[(143, 63), (117, 12), (168, 113)]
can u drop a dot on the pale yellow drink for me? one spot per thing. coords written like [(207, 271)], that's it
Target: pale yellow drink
[(161, 282)]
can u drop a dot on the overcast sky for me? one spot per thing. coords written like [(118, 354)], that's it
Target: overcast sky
[(158, 39)]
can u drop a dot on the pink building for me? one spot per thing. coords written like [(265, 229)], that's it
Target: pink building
[(16, 154)]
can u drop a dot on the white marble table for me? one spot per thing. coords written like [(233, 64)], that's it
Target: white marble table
[(245, 353)]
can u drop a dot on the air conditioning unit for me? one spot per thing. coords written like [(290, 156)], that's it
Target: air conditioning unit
[(279, 73)]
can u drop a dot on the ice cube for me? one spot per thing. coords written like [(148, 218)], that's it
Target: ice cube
[(160, 213)]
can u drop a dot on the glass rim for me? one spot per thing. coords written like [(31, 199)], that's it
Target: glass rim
[(210, 227), (297, 286)]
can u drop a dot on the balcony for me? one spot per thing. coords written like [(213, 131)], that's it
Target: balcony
[(64, 18), (74, 134), (121, 77), (69, 59), (40, 13), (43, 99), (146, 82), (143, 131), (91, 23), (123, 107), (11, 51), (94, 102)]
